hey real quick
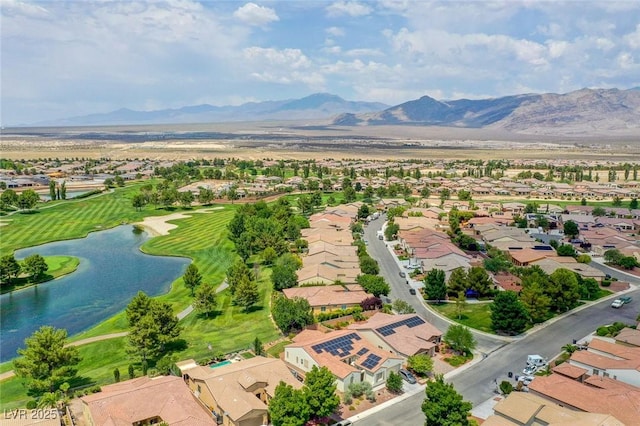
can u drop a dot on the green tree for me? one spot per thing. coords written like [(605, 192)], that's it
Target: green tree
[(235, 273), (443, 406), (152, 325), (421, 364), (566, 250), (28, 199), (192, 278), (116, 375), (535, 301), (246, 294), (35, 266), (46, 362), (291, 314), (52, 190), (613, 256), (63, 190), (628, 262), (283, 273), (457, 282), (508, 314), (633, 204), (368, 265), (460, 339), (598, 211), (479, 281), (258, 349), (402, 307), (434, 285), (9, 268), (374, 284), (464, 195), (563, 290), (583, 258), (391, 230), (288, 406), (138, 201), (269, 255), (394, 382), (9, 197), (186, 198), (320, 392), (204, 301), (205, 196), (571, 228), (588, 288)]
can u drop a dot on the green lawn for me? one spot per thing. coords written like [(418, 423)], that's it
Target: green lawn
[(72, 219), (58, 266), (278, 348), (473, 315)]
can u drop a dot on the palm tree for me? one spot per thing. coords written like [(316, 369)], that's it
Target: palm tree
[(569, 348)]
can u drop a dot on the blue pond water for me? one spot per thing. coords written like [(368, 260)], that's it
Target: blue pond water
[(112, 270)]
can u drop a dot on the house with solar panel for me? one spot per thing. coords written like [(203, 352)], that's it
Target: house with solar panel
[(350, 357), (402, 335)]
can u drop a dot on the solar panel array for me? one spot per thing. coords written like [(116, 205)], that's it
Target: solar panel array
[(388, 330), (371, 361), (362, 351), (340, 346)]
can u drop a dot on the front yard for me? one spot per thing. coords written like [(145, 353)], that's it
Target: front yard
[(472, 315)]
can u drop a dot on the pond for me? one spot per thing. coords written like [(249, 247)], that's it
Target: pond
[(112, 270)]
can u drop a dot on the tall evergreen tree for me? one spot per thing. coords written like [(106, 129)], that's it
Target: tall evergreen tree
[(435, 286)]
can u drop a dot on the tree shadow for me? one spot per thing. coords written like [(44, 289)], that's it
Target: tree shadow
[(28, 212), (176, 345), (254, 308), (212, 315)]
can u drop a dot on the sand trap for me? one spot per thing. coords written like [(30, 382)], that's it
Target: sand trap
[(157, 225)]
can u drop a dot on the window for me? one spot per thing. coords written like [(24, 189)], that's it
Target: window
[(596, 372), (323, 309), (344, 307)]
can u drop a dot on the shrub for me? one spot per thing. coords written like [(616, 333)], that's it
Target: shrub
[(506, 387), (347, 398), (602, 331), (605, 283), (31, 404)]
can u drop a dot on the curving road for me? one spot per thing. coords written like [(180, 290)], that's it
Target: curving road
[(477, 384)]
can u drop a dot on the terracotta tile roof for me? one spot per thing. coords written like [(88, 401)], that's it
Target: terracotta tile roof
[(167, 397), (333, 295), (620, 351), (508, 281), (338, 238), (321, 246), (405, 340), (619, 399), (629, 336), (328, 272), (232, 385), (571, 371), (335, 363)]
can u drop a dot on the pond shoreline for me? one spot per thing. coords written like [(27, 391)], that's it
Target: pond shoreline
[(53, 274)]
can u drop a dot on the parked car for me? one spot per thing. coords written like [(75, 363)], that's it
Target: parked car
[(526, 380), (529, 370), (343, 423), (625, 299), (407, 376), (403, 274), (617, 303), (412, 291)]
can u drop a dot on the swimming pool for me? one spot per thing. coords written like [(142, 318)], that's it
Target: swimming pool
[(220, 364)]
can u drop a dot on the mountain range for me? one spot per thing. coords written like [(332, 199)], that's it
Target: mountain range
[(585, 111), (581, 111), (316, 106)]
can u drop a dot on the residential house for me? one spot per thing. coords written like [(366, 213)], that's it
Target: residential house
[(403, 335), (346, 353), (629, 337), (602, 358), (146, 401), (596, 395), (329, 298), (551, 264), (525, 409), (238, 394)]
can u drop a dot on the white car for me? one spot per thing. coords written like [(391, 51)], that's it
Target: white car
[(526, 380), (617, 303), (529, 370)]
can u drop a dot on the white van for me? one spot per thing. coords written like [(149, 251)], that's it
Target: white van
[(536, 361)]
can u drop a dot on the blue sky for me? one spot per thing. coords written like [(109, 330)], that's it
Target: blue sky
[(61, 59)]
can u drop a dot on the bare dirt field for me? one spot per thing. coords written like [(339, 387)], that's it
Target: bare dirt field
[(287, 140)]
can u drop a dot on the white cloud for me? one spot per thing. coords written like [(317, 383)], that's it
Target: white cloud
[(633, 39), (625, 60), (286, 66), (350, 8), (252, 14), (363, 52), (335, 31)]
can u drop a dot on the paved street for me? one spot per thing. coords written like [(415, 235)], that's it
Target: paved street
[(476, 384)]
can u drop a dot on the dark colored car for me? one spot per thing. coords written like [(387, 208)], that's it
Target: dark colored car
[(402, 274), (412, 291), (625, 299), (407, 376)]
